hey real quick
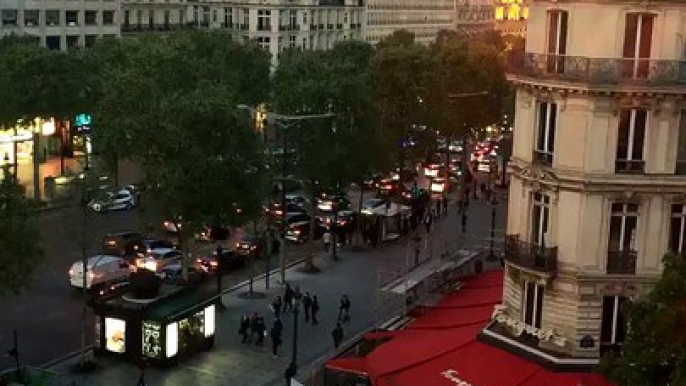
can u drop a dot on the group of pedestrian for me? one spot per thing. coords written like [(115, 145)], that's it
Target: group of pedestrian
[(253, 328)]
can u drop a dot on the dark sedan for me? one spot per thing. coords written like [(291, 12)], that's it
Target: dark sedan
[(221, 263)]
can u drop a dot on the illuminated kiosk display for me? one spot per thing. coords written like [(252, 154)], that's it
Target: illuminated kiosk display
[(161, 331)]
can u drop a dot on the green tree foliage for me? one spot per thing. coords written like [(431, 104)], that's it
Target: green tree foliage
[(19, 237), (170, 104), (399, 71), (654, 352)]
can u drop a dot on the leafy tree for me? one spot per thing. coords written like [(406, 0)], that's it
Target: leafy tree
[(171, 108), (19, 237), (654, 352), (399, 71)]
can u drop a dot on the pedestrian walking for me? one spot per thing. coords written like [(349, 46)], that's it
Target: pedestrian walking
[(278, 325), (417, 243), (444, 200), (315, 309), (344, 309), (288, 298), (275, 335), (276, 306), (438, 206), (244, 329), (337, 335), (427, 221), (464, 222), (253, 327), (307, 306), (261, 331), (297, 295)]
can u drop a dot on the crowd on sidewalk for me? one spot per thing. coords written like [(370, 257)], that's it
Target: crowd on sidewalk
[(253, 328)]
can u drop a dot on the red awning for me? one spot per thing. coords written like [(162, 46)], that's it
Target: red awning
[(377, 335), (349, 365)]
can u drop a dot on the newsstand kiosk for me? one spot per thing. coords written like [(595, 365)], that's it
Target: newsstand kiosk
[(160, 331)]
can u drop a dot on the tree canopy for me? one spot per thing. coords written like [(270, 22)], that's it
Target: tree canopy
[(19, 237), (654, 352)]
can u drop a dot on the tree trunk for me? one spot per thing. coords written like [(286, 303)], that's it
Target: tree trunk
[(184, 240), (309, 263), (36, 168)]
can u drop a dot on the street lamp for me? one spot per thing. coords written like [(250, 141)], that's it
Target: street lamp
[(284, 122), (293, 366)]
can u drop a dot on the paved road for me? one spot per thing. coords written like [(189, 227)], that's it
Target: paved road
[(57, 331), (359, 274)]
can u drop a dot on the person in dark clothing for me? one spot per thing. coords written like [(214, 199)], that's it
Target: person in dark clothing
[(438, 206), (315, 309), (261, 329), (244, 329), (344, 309), (253, 327), (278, 325), (275, 335), (337, 335), (444, 200), (276, 306), (417, 243), (427, 221), (307, 306), (288, 298), (464, 222), (297, 295)]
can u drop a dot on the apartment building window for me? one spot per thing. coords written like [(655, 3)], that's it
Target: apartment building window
[(53, 42), (107, 17), (681, 146), (638, 36), (264, 42), (31, 18), (246, 19), (304, 17), (91, 18), (557, 40), (52, 17), (540, 218), (127, 18), (621, 254), (292, 41), (72, 19), (90, 40), (546, 123), (630, 141), (293, 20), (182, 17), (167, 19), (677, 229), (9, 17), (139, 17), (151, 19), (228, 17), (613, 325), (72, 42), (264, 20), (532, 309)]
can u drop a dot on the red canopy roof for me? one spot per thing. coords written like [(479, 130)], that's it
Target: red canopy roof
[(440, 348)]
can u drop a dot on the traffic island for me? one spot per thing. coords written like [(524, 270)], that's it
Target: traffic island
[(160, 328)]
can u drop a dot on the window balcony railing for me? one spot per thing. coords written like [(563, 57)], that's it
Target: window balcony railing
[(531, 256), (542, 157), (629, 166), (598, 71), (621, 262)]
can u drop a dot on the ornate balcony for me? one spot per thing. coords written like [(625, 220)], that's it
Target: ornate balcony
[(621, 262), (598, 71), (530, 256)]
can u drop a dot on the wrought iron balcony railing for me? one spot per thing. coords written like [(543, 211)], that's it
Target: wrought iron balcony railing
[(598, 71), (629, 166), (621, 262), (527, 255)]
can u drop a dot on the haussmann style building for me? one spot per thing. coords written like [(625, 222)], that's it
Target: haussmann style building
[(598, 173)]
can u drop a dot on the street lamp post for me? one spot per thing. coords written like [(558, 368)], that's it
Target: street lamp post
[(293, 366), (284, 122)]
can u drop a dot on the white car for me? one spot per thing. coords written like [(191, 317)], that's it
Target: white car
[(101, 270), (159, 258), (122, 199), (369, 206)]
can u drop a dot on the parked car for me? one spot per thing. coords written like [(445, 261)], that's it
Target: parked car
[(370, 206), (372, 182), (212, 233), (122, 243), (390, 188), (219, 263), (102, 270), (345, 217), (122, 199), (171, 274), (157, 259), (297, 199)]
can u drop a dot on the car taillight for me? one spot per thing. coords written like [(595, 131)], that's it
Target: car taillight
[(213, 263), (296, 232)]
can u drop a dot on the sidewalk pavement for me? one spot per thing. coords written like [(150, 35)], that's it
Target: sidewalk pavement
[(236, 364)]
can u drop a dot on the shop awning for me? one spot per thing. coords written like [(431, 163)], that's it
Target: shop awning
[(350, 365)]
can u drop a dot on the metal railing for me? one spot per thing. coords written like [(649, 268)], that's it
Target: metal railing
[(529, 255), (598, 71), (629, 166), (621, 262)]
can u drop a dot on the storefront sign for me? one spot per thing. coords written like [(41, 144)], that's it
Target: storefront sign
[(454, 376), (518, 327), (152, 339)]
